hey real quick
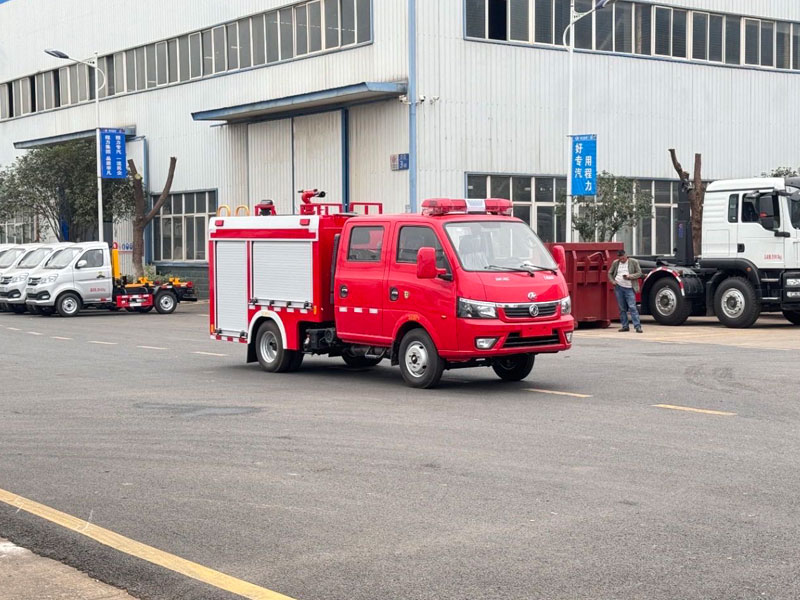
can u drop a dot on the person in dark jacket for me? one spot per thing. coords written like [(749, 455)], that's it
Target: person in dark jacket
[(625, 274)]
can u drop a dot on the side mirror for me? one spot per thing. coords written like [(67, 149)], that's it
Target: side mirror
[(81, 263), (560, 256), (426, 264)]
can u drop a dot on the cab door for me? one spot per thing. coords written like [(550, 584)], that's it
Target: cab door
[(432, 302), (93, 279), (359, 282), (757, 242)]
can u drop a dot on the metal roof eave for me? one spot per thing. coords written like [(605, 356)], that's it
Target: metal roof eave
[(130, 132), (300, 104)]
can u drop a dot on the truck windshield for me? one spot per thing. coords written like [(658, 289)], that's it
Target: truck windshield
[(498, 246), (62, 258), (33, 258), (10, 257)]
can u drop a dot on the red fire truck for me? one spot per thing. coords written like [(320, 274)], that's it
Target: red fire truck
[(463, 284)]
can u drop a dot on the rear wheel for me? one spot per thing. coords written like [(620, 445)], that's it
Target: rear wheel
[(68, 305), (166, 303), (514, 368), (667, 304), (420, 363), (736, 303), (270, 352), (793, 316)]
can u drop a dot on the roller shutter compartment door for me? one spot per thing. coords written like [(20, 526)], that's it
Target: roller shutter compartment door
[(282, 272), (231, 286)]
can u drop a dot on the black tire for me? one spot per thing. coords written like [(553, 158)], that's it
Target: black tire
[(143, 309), (359, 362), (736, 303), (68, 305), (166, 303), (18, 309), (667, 304), (271, 354), (793, 316), (515, 367), (420, 363)]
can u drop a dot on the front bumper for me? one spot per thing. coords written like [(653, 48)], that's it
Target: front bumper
[(524, 337), (12, 293), (38, 296)]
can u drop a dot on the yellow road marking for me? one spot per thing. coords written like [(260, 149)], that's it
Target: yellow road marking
[(209, 354), (104, 343), (151, 348), (696, 410), (143, 551), (56, 337), (555, 393)]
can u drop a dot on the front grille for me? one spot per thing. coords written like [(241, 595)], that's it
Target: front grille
[(515, 340), (523, 311), (3, 294), (5, 280)]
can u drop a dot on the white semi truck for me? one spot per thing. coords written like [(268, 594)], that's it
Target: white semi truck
[(750, 259)]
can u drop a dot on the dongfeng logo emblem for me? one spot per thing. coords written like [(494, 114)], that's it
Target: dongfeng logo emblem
[(532, 296), (534, 310)]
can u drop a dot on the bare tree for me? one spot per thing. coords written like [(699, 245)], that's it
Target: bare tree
[(141, 217), (697, 194)]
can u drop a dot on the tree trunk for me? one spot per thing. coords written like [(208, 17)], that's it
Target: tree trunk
[(141, 218), (697, 193)]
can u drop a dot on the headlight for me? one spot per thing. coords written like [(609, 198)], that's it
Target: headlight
[(20, 277), (566, 306), (49, 279), (470, 309)]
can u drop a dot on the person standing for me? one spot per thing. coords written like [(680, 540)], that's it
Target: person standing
[(625, 274)]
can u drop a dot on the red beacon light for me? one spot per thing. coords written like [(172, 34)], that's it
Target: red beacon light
[(436, 207)]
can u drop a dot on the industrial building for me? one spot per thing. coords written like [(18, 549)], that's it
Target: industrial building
[(399, 100)]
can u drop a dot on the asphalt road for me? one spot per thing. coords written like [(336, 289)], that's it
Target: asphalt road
[(332, 483)]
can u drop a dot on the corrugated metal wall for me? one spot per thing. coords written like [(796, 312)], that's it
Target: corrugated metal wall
[(318, 154), (270, 164)]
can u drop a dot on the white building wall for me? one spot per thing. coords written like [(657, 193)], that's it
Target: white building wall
[(270, 164), (502, 108), (318, 154)]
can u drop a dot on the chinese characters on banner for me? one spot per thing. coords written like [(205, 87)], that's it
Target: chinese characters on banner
[(112, 154), (584, 165)]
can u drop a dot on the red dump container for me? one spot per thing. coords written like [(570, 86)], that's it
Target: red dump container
[(593, 299)]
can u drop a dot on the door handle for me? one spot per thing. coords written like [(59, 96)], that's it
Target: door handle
[(343, 291), (394, 294), (101, 276), (740, 247)]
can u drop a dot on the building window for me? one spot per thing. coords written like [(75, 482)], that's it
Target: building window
[(18, 230), (783, 45), (162, 68), (5, 101), (623, 27), (700, 36), (752, 43), (179, 231)]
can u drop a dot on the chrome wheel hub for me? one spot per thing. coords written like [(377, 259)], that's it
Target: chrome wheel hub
[(733, 303), (269, 347), (666, 301), (416, 359)]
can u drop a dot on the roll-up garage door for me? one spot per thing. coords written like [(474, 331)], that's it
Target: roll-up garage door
[(231, 286)]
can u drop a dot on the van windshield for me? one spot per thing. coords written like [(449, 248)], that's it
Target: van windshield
[(498, 246), (10, 257), (33, 258), (61, 259)]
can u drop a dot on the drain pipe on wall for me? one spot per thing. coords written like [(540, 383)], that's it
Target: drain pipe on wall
[(412, 105)]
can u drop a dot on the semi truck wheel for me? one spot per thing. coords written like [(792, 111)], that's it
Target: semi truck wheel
[(514, 368), (166, 303), (68, 305), (793, 316), (420, 363), (736, 303), (271, 354), (667, 304)]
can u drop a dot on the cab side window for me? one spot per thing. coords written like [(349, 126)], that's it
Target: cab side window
[(93, 258), (366, 243), (412, 238), (733, 208)]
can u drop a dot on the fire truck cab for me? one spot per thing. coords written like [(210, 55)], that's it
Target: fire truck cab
[(463, 284)]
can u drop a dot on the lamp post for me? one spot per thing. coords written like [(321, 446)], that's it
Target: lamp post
[(574, 17), (97, 87)]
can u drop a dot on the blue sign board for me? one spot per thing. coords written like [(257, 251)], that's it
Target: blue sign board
[(584, 165), (113, 161), (400, 162)]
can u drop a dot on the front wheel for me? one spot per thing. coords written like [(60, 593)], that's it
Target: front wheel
[(271, 354), (793, 316), (420, 363), (166, 303), (667, 304), (736, 303), (68, 305), (514, 368)]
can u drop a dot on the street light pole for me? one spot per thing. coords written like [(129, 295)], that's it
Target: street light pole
[(97, 88), (574, 17)]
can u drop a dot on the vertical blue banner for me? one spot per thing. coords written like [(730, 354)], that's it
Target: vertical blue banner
[(584, 165), (113, 161)]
